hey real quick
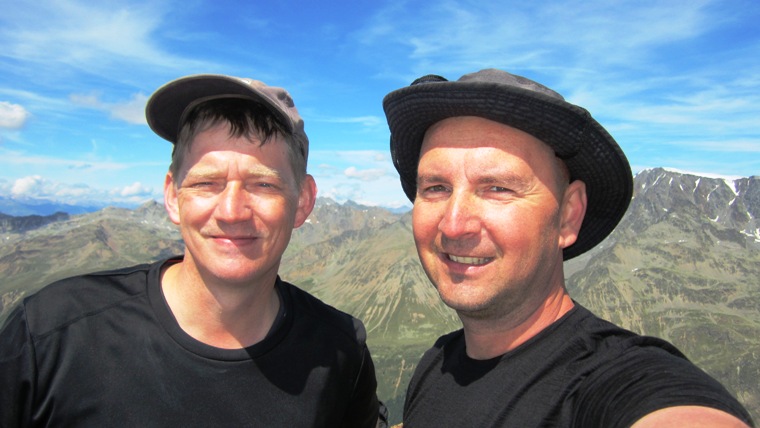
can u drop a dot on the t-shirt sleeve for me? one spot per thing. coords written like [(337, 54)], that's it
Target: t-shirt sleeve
[(16, 371), (645, 379), (365, 409)]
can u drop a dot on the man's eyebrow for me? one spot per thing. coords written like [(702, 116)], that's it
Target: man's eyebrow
[(202, 171), (256, 171), (513, 180), (263, 171), (425, 179)]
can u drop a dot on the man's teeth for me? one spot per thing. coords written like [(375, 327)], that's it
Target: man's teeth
[(469, 260)]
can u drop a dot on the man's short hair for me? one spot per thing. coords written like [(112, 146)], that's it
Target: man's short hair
[(245, 119), (249, 106)]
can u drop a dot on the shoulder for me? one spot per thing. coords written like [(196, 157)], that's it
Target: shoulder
[(448, 344), (323, 317), (603, 340), (628, 376), (64, 301), (448, 338), (610, 353)]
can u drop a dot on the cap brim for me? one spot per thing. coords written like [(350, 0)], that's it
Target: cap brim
[(169, 103)]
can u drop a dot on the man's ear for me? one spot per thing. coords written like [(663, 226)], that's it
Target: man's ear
[(171, 202), (573, 211), (306, 200)]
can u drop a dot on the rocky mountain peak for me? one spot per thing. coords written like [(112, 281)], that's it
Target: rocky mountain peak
[(728, 202)]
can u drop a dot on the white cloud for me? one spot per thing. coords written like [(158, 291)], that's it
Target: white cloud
[(135, 189), (365, 174), (368, 121), (740, 146), (115, 40), (68, 192), (38, 187), (385, 191), (81, 32), (364, 157), (28, 186), (19, 158), (351, 162), (652, 73), (91, 100), (131, 111), (12, 116), (339, 191), (534, 32)]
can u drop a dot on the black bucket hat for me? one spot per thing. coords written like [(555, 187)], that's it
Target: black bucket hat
[(590, 153)]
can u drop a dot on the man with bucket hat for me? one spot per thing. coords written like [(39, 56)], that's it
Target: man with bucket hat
[(213, 338), (508, 180)]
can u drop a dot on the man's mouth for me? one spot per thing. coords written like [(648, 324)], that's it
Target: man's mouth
[(234, 239), (469, 260)]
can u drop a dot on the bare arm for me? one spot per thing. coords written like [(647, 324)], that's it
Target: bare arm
[(689, 416)]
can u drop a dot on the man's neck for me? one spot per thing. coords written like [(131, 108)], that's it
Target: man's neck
[(229, 317), (490, 338)]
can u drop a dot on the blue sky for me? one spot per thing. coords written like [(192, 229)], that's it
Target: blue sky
[(676, 83)]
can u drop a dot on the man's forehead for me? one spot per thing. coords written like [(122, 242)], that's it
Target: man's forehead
[(477, 132), (222, 161)]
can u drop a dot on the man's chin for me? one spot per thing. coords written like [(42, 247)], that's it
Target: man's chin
[(462, 304)]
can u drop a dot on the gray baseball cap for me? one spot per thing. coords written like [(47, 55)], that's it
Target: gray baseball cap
[(168, 106)]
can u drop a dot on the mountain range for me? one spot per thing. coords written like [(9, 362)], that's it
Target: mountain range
[(21, 206), (683, 264)]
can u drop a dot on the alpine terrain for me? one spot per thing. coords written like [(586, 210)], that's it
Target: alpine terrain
[(684, 264)]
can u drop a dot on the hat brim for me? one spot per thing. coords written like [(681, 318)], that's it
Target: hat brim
[(589, 152), (166, 107)]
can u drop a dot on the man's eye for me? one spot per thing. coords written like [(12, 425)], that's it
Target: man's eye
[(435, 189), (205, 186), (266, 185)]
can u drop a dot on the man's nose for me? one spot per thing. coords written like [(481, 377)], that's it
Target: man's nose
[(461, 216), (234, 204)]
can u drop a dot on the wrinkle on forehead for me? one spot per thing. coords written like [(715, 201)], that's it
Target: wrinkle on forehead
[(215, 170)]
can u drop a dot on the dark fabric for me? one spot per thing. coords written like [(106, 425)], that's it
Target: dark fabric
[(580, 372), (104, 350)]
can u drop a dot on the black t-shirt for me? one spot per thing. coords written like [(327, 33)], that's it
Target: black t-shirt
[(580, 372), (104, 350)]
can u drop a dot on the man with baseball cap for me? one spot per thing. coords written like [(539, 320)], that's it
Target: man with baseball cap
[(508, 180), (214, 337)]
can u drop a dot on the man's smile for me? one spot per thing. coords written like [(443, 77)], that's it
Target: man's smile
[(469, 260)]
